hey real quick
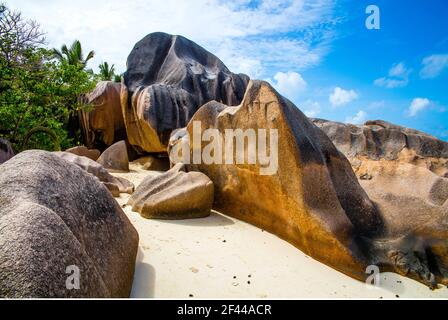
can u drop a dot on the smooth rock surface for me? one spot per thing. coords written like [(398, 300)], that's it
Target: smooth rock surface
[(103, 125), (167, 80), (115, 158), (313, 201), (83, 151), (54, 216), (174, 195)]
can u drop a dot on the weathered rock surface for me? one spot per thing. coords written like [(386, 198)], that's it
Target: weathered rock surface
[(174, 195), (83, 151), (381, 140), (53, 216), (378, 139), (115, 158), (404, 171), (116, 185), (411, 202), (103, 125), (167, 80), (6, 151), (313, 201)]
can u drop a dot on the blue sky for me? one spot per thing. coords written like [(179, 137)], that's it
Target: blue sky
[(361, 60), (317, 53)]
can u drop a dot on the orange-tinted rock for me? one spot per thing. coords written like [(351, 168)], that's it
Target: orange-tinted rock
[(411, 201), (103, 125), (83, 151), (313, 201), (167, 80)]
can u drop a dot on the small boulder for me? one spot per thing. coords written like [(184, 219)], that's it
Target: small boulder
[(115, 185), (174, 195), (6, 151), (62, 233), (115, 158), (83, 151)]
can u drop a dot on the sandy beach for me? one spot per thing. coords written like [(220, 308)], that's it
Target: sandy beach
[(222, 257)]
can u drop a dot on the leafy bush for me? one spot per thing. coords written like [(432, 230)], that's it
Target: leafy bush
[(37, 90)]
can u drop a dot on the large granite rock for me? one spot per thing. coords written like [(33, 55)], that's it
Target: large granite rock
[(116, 185), (313, 200), (381, 140), (167, 80), (378, 139), (404, 172), (54, 218), (115, 158), (410, 200), (174, 195), (102, 124), (6, 151)]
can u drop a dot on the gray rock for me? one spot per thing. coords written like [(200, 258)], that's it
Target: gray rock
[(174, 195), (53, 216), (167, 80), (115, 185), (115, 158), (6, 151), (381, 140)]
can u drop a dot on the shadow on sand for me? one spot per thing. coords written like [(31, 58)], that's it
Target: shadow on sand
[(214, 220), (144, 278)]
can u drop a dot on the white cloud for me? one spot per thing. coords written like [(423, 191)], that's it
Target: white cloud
[(433, 65), (248, 38), (289, 84), (359, 118), (417, 105), (376, 105), (398, 77), (399, 70), (311, 108), (340, 97)]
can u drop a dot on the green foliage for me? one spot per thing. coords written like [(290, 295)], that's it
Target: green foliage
[(106, 72), (37, 90), (73, 56), (47, 131), (117, 78)]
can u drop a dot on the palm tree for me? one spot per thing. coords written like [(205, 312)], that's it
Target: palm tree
[(107, 73), (74, 55)]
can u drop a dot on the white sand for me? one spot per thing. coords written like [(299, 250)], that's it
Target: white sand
[(221, 257)]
